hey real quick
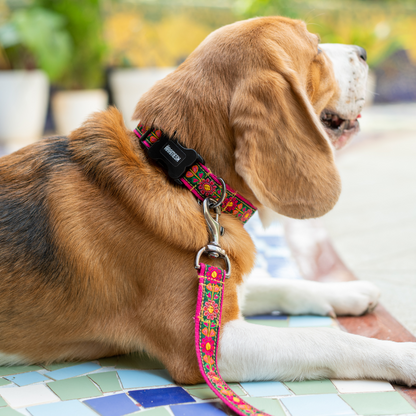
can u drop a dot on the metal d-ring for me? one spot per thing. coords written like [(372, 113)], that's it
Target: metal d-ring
[(215, 204), (220, 253)]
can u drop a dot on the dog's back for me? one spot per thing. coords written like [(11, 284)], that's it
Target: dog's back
[(28, 252)]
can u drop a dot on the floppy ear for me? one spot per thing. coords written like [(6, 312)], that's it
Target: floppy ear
[(282, 151)]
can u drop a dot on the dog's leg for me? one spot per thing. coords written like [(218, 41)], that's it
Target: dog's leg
[(251, 352), (295, 297)]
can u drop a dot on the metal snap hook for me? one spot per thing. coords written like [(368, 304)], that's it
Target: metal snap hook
[(213, 248), (213, 225), (215, 204)]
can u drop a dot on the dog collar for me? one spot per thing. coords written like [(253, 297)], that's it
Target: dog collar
[(186, 167)]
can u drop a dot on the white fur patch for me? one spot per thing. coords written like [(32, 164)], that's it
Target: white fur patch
[(249, 352), (351, 75), (268, 216)]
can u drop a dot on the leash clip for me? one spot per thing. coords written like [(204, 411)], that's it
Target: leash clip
[(213, 248)]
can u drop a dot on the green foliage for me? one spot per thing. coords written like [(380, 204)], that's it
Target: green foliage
[(84, 24), (253, 8), (36, 38)]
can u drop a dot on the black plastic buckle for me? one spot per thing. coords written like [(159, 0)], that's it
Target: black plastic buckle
[(172, 156)]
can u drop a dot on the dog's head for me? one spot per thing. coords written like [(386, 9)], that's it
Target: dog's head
[(266, 104)]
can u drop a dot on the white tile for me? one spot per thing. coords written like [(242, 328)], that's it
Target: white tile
[(29, 396), (362, 386)]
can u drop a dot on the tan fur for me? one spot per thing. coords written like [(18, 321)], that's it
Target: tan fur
[(124, 237)]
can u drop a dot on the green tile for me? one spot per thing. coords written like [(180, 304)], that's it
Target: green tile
[(58, 366), (7, 411), (139, 361), (74, 388), (106, 381), (194, 386), (387, 403), (270, 406), (281, 323), (206, 393), (2, 402), (17, 369), (312, 387), (4, 382)]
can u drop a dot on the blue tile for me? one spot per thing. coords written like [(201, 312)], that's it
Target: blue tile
[(27, 378), (200, 409), (317, 405), (274, 264), (141, 378), (68, 408), (309, 320), (266, 388), (275, 240), (115, 405), (161, 397), (73, 371), (267, 317)]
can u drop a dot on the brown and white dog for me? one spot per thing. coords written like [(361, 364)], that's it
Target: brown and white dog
[(97, 245)]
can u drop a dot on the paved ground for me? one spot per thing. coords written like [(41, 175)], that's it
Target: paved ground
[(374, 224)]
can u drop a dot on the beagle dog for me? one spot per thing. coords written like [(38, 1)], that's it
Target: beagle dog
[(97, 244)]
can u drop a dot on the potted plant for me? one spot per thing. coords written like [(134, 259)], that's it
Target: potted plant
[(79, 85), (34, 46)]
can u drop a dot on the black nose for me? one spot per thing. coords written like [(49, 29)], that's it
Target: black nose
[(362, 53)]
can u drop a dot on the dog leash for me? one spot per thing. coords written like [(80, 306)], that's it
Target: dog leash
[(208, 317), (185, 166)]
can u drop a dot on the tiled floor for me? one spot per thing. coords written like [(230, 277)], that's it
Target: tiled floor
[(138, 384), (113, 391)]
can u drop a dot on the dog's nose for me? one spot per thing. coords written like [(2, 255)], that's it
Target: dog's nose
[(362, 53)]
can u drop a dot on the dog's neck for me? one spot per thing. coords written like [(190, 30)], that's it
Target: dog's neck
[(186, 167)]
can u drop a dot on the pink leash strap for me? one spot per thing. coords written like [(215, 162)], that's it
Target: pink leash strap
[(207, 334)]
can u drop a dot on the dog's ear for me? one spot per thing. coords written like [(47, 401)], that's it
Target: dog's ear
[(282, 151)]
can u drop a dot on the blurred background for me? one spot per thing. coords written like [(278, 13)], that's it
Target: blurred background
[(62, 59), (75, 56)]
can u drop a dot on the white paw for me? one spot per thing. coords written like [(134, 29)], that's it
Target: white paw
[(402, 366), (349, 298)]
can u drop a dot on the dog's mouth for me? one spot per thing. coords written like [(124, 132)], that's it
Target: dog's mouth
[(339, 130)]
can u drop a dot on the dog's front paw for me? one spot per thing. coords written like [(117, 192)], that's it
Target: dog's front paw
[(349, 298), (402, 366)]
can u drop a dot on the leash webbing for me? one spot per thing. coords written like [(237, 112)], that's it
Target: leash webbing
[(207, 333)]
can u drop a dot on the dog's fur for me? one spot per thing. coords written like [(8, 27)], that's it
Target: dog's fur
[(97, 245)]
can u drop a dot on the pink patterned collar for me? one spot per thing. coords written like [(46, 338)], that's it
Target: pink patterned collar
[(194, 175)]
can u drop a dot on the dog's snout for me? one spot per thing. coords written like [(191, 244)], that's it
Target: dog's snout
[(362, 53)]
